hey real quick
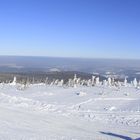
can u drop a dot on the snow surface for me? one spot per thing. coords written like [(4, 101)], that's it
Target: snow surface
[(43, 112)]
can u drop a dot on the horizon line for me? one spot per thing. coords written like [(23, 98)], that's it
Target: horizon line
[(68, 57)]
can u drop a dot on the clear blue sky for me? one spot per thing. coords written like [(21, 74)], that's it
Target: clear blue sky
[(70, 28)]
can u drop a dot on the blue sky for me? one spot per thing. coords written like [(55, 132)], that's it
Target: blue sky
[(70, 28)]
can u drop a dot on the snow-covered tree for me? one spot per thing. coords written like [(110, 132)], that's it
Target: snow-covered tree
[(33, 80), (125, 82), (105, 83), (69, 83), (135, 83), (75, 78), (46, 81), (52, 83), (119, 84), (109, 81), (89, 83), (97, 81), (93, 80), (14, 81), (61, 83), (139, 84), (82, 82), (56, 82), (75, 81), (112, 81)]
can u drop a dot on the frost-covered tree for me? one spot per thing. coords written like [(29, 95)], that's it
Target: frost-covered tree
[(93, 80), (135, 83), (89, 83), (139, 84), (79, 81), (82, 82), (27, 82), (61, 83), (70, 83), (97, 81), (109, 81), (75, 81), (23, 85), (52, 83), (105, 83), (75, 78), (46, 81), (33, 80), (14, 81), (125, 82), (112, 81), (119, 84), (56, 82)]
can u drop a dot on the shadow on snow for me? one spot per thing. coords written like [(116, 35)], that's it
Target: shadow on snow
[(118, 136)]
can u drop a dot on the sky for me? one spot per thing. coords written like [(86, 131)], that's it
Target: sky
[(70, 28)]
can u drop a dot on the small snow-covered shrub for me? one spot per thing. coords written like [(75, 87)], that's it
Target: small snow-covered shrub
[(22, 86)]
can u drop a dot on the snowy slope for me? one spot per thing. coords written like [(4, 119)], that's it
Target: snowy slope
[(43, 112)]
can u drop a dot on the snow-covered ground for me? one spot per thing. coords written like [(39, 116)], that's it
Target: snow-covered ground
[(43, 112)]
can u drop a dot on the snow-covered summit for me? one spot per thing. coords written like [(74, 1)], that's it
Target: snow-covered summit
[(41, 111)]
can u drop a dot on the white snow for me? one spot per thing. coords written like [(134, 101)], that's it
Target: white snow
[(41, 112)]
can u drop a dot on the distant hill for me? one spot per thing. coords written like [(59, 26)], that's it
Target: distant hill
[(64, 68)]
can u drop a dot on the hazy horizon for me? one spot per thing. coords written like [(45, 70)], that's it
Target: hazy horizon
[(67, 63), (90, 58)]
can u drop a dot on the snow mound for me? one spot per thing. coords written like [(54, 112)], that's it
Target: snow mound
[(112, 108), (81, 93)]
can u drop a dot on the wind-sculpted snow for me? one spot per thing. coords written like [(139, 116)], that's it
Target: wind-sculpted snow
[(42, 112)]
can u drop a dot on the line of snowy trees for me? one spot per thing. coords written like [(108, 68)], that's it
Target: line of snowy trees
[(76, 82)]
